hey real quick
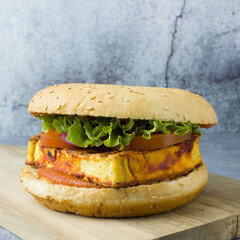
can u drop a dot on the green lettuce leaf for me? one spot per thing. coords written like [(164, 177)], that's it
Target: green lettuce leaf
[(111, 132)]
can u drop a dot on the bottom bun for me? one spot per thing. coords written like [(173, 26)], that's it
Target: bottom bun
[(116, 202)]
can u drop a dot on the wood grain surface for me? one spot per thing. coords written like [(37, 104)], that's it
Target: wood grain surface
[(215, 214)]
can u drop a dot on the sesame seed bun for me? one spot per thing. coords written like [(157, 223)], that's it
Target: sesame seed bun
[(111, 202), (123, 102)]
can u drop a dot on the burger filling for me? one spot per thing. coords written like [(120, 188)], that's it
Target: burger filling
[(74, 131), (113, 152)]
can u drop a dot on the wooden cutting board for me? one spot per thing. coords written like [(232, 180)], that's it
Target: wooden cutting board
[(215, 214)]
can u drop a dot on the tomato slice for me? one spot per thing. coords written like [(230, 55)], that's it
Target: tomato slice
[(53, 139), (157, 141), (206, 125)]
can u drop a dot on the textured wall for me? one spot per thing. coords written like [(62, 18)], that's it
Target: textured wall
[(186, 44)]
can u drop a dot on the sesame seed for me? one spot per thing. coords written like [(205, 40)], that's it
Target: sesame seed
[(46, 108), (134, 191), (178, 114), (88, 91), (89, 108), (164, 95), (99, 101), (59, 107), (57, 97), (108, 93), (140, 93), (78, 105), (126, 100), (52, 92), (110, 97), (69, 88), (92, 98), (165, 108)]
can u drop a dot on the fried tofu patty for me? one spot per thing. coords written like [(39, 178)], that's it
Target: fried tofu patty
[(118, 168)]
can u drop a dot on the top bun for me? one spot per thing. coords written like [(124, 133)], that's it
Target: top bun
[(167, 104)]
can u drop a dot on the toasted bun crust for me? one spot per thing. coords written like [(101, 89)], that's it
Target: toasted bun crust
[(123, 102), (111, 202)]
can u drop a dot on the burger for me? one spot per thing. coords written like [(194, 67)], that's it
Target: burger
[(116, 151)]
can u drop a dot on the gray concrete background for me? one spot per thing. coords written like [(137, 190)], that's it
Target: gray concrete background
[(185, 44)]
